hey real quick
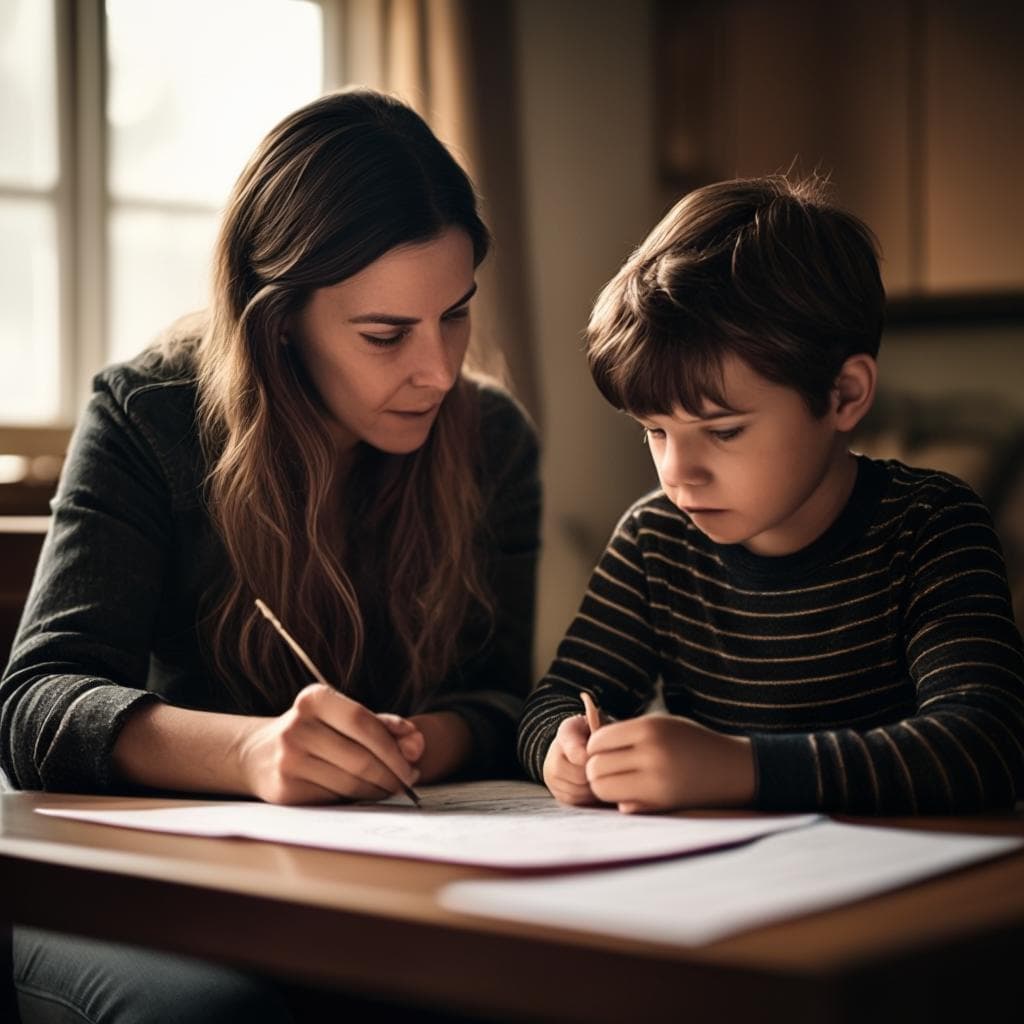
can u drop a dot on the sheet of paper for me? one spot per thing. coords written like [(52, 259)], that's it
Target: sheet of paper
[(697, 900), (507, 824)]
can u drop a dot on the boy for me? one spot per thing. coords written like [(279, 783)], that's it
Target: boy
[(831, 632)]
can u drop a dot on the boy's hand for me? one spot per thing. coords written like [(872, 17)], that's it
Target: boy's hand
[(565, 772), (664, 762)]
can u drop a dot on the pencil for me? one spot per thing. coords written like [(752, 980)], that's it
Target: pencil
[(592, 713), (308, 662)]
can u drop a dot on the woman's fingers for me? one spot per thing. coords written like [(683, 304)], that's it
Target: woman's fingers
[(336, 781), (410, 739), (352, 720)]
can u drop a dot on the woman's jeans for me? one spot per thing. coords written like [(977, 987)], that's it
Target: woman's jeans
[(61, 979)]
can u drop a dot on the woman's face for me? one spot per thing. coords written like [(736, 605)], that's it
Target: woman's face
[(385, 346)]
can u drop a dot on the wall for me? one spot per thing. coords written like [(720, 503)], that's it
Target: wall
[(590, 192), (593, 191)]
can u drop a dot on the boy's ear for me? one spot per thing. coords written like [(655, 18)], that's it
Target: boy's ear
[(854, 390)]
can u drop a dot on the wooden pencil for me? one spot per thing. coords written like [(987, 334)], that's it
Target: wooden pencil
[(318, 675)]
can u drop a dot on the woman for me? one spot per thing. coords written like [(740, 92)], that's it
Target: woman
[(314, 443)]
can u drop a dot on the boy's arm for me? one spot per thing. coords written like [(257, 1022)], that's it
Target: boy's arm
[(963, 748), (610, 650)]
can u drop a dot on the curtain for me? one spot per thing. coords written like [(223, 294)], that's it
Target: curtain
[(454, 62)]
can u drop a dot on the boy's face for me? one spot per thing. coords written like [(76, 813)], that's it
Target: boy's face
[(763, 473)]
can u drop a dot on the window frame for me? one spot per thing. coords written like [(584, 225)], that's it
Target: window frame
[(83, 203)]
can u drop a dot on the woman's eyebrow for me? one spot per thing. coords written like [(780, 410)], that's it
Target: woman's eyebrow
[(404, 321)]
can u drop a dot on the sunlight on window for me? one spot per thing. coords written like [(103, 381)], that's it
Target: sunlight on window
[(159, 268), (193, 87), (29, 292), (29, 324), (195, 84), (28, 110)]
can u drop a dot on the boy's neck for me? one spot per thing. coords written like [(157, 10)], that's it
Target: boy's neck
[(816, 515)]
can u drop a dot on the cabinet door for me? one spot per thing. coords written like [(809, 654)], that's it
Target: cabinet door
[(750, 88), (973, 223), (913, 110)]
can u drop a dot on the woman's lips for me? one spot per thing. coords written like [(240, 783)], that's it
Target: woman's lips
[(413, 413)]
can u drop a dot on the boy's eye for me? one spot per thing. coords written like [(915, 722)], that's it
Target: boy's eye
[(726, 435), (652, 433), (386, 340)]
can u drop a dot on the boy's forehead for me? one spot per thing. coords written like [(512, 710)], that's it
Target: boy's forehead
[(741, 389)]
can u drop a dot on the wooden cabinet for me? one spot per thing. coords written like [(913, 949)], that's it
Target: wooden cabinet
[(911, 108)]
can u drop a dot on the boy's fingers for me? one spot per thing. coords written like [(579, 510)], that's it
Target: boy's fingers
[(614, 736), (572, 737)]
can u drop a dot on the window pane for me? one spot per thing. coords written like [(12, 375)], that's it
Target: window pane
[(159, 270), (29, 325), (28, 107), (195, 84)]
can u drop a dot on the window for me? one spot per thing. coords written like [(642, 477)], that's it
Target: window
[(125, 124)]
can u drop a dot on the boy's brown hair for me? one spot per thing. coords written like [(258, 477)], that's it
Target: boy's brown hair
[(764, 269)]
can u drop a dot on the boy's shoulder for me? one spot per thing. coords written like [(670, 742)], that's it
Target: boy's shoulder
[(923, 491)]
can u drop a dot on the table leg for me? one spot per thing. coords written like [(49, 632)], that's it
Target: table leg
[(8, 999)]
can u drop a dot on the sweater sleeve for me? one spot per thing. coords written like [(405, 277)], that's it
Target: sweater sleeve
[(487, 689), (962, 749), (610, 650), (80, 658)]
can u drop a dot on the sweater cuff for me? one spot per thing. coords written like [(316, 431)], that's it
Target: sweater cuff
[(492, 738), (787, 772), (80, 756)]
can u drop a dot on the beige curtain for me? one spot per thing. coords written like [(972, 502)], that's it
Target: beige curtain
[(454, 62)]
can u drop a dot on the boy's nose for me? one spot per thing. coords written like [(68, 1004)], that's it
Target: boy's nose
[(680, 467)]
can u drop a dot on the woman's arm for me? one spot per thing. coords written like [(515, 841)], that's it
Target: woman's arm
[(325, 747), (81, 656), (75, 712)]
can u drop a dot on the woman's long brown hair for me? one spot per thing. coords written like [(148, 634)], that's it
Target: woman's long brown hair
[(376, 586)]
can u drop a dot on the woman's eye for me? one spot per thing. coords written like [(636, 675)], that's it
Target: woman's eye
[(726, 435), (457, 314), (385, 340)]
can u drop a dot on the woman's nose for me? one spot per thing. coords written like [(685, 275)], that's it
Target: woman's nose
[(437, 364)]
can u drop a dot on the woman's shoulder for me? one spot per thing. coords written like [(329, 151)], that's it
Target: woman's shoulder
[(153, 399), (509, 452), (156, 391), (503, 418), (167, 368)]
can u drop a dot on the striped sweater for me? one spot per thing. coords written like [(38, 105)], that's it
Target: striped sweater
[(878, 670)]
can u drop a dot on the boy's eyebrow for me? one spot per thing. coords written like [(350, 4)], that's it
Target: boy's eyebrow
[(404, 321)]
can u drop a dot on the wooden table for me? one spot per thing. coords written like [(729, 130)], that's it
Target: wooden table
[(947, 949)]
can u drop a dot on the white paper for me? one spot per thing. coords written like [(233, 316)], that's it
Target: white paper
[(506, 824), (701, 899)]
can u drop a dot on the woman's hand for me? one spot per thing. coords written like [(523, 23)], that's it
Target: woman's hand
[(446, 744), (664, 762), (326, 747), (565, 772)]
